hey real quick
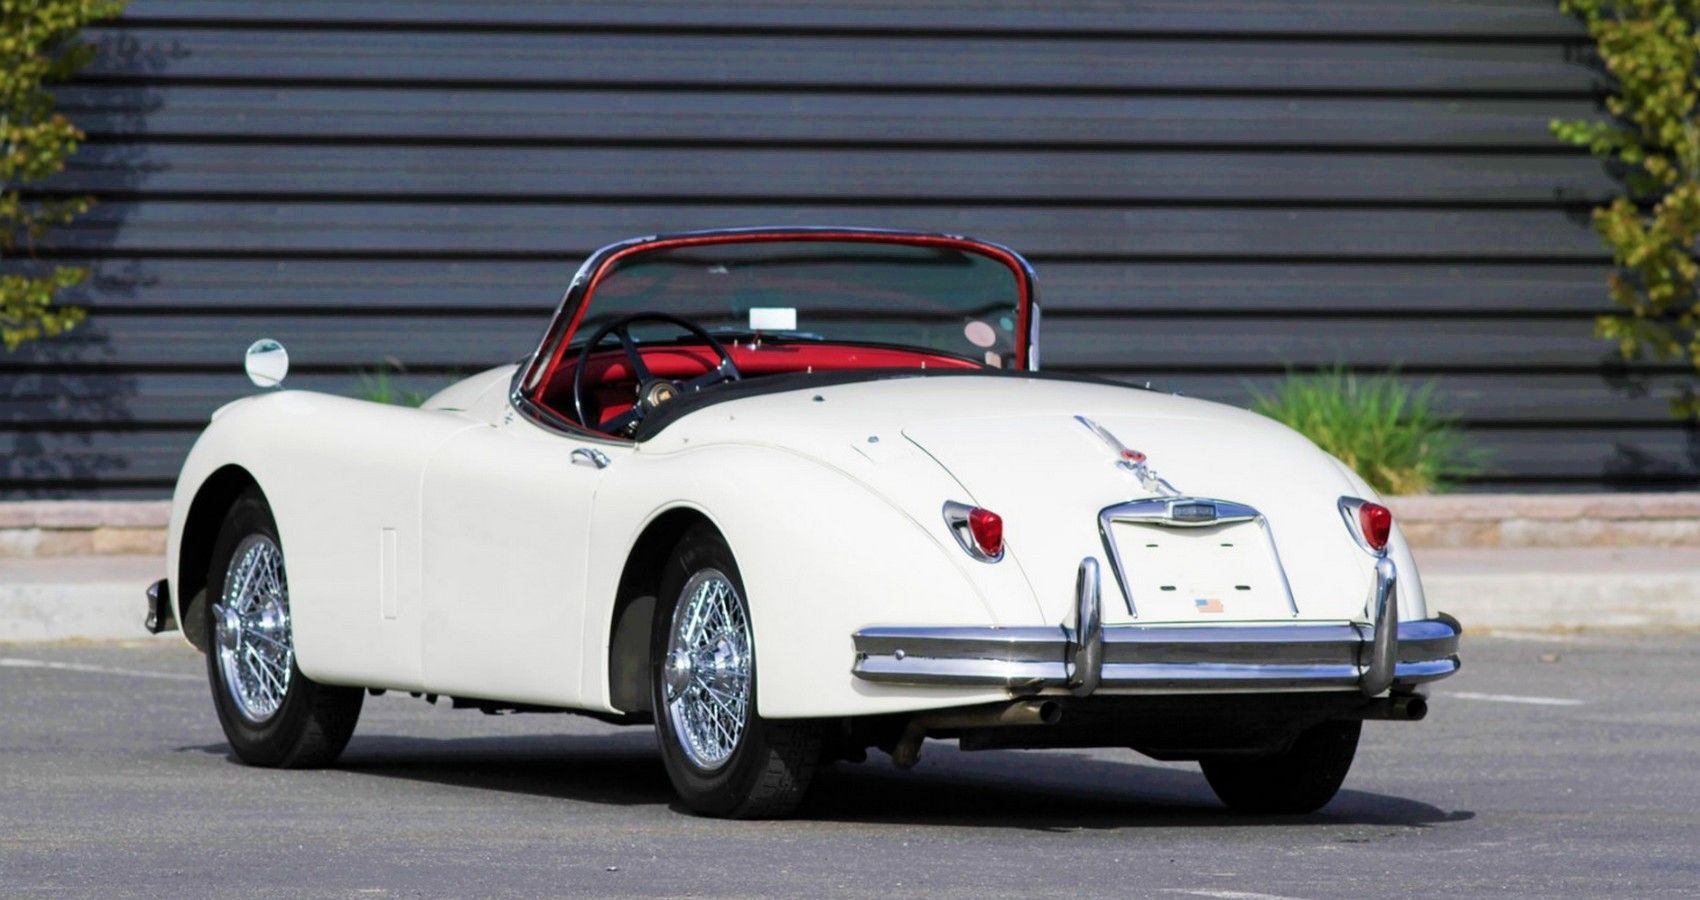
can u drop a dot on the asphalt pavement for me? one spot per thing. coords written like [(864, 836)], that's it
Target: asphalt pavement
[(1552, 765)]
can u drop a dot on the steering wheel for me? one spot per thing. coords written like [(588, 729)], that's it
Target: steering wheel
[(651, 391)]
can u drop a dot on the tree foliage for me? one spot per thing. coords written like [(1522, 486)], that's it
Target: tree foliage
[(1651, 48), (38, 45)]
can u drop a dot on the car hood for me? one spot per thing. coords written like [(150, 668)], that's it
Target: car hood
[(1017, 446)]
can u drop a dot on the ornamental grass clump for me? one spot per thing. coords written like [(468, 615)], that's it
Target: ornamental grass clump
[(1391, 434), (380, 385)]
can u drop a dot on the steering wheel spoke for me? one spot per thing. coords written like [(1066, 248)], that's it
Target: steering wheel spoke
[(710, 378), (651, 391), (639, 370)]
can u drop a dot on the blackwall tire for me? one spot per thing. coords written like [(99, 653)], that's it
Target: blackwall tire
[(764, 769), (272, 715), (1301, 779)]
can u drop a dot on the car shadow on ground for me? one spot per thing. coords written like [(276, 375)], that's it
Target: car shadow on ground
[(1055, 790)]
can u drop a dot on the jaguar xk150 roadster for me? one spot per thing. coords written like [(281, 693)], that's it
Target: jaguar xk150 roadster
[(789, 494)]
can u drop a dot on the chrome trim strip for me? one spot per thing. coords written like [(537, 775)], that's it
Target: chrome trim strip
[(1216, 676), (1181, 512), (1251, 644), (1000, 644), (1426, 670), (923, 670)]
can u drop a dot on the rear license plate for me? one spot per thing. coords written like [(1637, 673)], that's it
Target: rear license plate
[(1201, 574)]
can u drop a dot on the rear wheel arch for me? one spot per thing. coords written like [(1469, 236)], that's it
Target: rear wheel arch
[(216, 495), (634, 606)]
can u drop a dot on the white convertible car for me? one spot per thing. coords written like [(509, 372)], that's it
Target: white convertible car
[(789, 494)]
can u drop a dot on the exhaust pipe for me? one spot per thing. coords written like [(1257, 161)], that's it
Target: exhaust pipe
[(907, 751), (1397, 708)]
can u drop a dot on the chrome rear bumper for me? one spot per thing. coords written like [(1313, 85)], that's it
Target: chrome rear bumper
[(1169, 658)]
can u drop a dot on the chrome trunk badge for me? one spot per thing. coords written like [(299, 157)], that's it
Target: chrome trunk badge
[(1131, 461)]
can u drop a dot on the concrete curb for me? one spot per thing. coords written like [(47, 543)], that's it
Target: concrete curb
[(78, 598), (1565, 589)]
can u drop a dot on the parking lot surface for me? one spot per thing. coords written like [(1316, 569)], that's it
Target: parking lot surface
[(1550, 765)]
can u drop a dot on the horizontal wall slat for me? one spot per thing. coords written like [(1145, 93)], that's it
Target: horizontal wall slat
[(898, 176), (1528, 18), (1075, 343), (501, 116), (570, 230), (1003, 62), (82, 400), (343, 342), (1111, 343), (1580, 453), (1324, 287)]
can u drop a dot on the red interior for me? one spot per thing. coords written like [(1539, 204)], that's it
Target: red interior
[(610, 387)]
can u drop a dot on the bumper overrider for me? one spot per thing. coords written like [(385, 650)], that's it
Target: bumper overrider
[(1087, 655)]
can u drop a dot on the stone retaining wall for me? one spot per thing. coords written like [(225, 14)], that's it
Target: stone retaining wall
[(1550, 520), (52, 528), (47, 528)]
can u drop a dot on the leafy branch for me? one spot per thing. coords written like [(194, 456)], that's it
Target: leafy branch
[(38, 45)]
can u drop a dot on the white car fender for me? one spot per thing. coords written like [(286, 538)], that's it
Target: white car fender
[(821, 556)]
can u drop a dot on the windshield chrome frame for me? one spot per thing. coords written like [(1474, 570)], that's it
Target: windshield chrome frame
[(551, 350)]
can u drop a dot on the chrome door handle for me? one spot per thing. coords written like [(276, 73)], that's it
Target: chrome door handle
[(590, 456)]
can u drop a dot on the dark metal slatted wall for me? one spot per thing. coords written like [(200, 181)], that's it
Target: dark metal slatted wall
[(1212, 191)]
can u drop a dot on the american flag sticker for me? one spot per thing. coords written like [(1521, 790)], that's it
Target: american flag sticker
[(1211, 605)]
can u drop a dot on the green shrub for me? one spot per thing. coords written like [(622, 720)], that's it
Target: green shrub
[(1651, 49), (38, 44), (378, 385), (1390, 434)]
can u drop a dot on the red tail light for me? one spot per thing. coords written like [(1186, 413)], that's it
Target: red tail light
[(987, 528), (1375, 522)]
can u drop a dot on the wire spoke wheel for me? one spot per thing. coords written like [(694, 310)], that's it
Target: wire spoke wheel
[(707, 671), (251, 629)]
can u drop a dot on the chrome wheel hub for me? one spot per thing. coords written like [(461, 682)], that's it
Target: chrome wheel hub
[(251, 632), (707, 671)]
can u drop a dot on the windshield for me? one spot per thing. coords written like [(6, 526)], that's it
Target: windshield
[(941, 295)]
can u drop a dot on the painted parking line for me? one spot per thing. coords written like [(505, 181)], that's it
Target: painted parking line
[(12, 662), (1514, 698), (1231, 894)]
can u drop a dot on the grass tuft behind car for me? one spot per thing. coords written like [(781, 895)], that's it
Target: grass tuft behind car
[(1391, 434)]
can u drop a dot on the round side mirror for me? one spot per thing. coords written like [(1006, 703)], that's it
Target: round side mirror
[(266, 363)]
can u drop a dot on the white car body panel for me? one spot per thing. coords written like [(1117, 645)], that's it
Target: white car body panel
[(507, 556)]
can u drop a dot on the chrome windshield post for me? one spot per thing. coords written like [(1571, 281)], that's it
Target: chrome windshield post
[(1384, 648)]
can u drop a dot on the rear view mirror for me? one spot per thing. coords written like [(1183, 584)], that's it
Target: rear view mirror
[(266, 363)]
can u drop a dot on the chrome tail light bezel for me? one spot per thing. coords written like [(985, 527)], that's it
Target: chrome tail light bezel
[(1350, 508), (956, 517)]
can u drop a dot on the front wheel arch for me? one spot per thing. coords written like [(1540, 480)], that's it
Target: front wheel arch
[(634, 607), (213, 500)]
